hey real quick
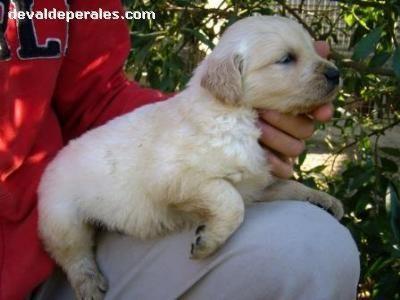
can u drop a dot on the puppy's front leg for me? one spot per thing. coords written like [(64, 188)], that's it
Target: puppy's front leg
[(290, 189), (220, 209)]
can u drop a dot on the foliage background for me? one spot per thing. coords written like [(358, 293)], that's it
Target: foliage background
[(364, 36)]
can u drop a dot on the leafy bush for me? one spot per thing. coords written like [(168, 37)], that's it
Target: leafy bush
[(365, 42)]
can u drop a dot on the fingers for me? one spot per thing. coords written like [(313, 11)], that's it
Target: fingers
[(322, 48), (323, 113), (279, 167), (300, 127), (284, 134), (282, 143)]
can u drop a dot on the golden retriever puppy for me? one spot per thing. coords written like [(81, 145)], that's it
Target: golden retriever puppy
[(193, 160)]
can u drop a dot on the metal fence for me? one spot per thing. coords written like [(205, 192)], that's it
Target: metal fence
[(327, 14)]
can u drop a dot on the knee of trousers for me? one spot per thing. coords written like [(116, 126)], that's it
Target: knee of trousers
[(292, 250)]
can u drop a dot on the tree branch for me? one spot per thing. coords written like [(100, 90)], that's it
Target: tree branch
[(298, 17), (374, 132), (216, 11), (360, 66)]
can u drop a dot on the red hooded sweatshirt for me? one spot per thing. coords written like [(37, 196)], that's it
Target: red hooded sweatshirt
[(57, 80)]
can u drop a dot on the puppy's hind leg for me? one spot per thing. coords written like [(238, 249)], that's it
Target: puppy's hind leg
[(293, 190), (69, 240)]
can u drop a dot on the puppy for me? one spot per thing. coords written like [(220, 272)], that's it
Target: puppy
[(193, 160)]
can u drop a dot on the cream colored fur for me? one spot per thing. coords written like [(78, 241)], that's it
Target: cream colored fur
[(194, 159)]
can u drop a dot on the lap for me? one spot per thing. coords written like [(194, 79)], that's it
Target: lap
[(277, 240)]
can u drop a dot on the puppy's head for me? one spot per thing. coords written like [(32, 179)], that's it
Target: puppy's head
[(269, 62)]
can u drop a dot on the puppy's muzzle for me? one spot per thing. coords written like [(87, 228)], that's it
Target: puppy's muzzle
[(332, 75)]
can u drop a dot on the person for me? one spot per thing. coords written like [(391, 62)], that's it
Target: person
[(58, 80)]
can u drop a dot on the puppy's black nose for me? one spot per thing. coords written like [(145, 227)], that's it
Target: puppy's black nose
[(332, 75)]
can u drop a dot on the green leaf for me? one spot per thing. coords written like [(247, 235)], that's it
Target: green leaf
[(317, 169), (390, 151), (394, 210), (379, 264), (200, 36), (396, 62), (302, 158), (379, 59), (367, 44), (349, 19), (388, 165), (359, 31), (359, 179), (310, 182)]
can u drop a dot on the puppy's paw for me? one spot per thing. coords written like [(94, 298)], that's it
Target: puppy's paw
[(204, 244), (332, 205), (90, 285), (336, 208)]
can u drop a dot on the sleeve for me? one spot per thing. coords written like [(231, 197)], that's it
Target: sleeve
[(92, 88)]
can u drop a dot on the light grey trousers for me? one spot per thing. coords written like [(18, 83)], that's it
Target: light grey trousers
[(284, 250)]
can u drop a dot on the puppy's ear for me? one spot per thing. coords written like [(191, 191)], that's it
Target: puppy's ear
[(223, 78)]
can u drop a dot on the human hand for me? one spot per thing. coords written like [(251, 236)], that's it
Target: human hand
[(284, 135)]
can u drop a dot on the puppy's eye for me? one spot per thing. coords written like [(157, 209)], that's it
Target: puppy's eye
[(287, 59)]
